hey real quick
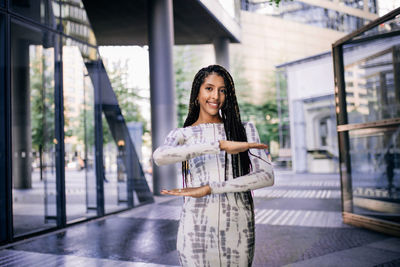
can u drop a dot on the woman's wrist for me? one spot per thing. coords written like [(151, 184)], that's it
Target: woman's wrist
[(221, 144), (208, 188)]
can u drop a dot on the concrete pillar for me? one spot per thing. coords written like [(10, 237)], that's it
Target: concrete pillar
[(21, 116), (162, 91), (221, 47), (298, 136)]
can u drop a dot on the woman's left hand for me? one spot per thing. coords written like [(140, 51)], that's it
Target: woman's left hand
[(189, 191)]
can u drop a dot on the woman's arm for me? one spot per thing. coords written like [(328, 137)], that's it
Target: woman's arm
[(174, 150), (261, 175)]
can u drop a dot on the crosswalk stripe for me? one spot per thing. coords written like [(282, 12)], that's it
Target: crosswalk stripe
[(306, 218), (288, 216), (279, 217), (271, 216), (282, 193), (293, 220)]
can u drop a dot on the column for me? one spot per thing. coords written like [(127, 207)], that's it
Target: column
[(162, 91), (221, 47), (21, 116)]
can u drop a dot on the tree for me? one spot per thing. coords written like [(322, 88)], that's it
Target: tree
[(264, 116), (128, 97), (184, 66), (42, 103)]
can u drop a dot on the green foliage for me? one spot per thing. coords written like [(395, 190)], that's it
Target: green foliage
[(128, 97), (264, 116), (184, 66), (276, 2), (85, 131), (42, 103)]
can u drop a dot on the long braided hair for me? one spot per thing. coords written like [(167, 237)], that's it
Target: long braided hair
[(234, 128)]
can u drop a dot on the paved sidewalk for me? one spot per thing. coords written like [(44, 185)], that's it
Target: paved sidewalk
[(298, 223)]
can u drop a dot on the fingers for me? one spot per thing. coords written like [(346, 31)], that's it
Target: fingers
[(188, 192), (258, 146), (176, 192)]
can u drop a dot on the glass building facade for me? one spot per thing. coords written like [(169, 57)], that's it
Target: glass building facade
[(65, 151), (315, 15), (367, 90)]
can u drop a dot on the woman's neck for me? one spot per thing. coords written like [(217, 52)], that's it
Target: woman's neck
[(208, 119)]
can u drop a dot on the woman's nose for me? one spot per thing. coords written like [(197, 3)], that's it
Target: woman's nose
[(215, 94)]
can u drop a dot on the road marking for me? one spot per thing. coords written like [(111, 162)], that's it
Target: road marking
[(284, 193), (308, 218)]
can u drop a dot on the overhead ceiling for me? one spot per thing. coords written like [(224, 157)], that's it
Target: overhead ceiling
[(122, 22)]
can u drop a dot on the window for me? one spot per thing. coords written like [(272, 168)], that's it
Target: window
[(323, 131)]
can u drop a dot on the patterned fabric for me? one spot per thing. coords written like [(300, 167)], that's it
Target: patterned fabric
[(218, 229)]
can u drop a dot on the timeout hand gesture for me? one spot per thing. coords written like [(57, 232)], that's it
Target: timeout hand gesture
[(234, 147), (231, 147)]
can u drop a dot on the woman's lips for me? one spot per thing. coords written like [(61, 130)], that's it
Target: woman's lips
[(213, 105)]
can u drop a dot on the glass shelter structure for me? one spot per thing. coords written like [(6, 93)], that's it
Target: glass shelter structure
[(66, 152), (56, 108), (367, 93)]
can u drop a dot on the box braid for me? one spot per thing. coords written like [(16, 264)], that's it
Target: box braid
[(234, 129)]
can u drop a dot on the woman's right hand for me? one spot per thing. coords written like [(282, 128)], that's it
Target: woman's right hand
[(235, 147)]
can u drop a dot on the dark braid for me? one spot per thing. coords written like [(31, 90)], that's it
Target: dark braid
[(234, 129)]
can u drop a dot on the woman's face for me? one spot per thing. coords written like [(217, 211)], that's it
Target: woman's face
[(211, 95)]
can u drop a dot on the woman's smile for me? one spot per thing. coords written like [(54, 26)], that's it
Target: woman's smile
[(213, 104)]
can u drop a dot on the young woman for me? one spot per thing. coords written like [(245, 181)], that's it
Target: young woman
[(222, 160)]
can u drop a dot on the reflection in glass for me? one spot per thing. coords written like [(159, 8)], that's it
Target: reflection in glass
[(385, 27), (315, 15), (80, 176), (375, 160), (372, 74), (33, 120), (41, 11), (283, 109), (115, 172), (372, 6), (353, 3), (75, 21), (88, 53)]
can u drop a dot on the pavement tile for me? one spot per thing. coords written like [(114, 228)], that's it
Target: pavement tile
[(391, 244), (298, 223), (355, 257)]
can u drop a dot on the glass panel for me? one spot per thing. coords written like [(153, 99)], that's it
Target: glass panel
[(3, 145), (372, 6), (372, 78), (302, 12), (42, 11), (353, 3), (75, 21), (80, 176), (116, 179), (385, 27), (88, 53), (32, 96), (375, 161)]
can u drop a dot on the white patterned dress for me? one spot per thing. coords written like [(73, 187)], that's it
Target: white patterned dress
[(218, 229)]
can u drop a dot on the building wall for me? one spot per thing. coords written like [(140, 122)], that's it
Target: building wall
[(268, 41), (310, 96)]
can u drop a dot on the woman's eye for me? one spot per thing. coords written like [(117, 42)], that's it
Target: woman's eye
[(223, 91), (208, 88)]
